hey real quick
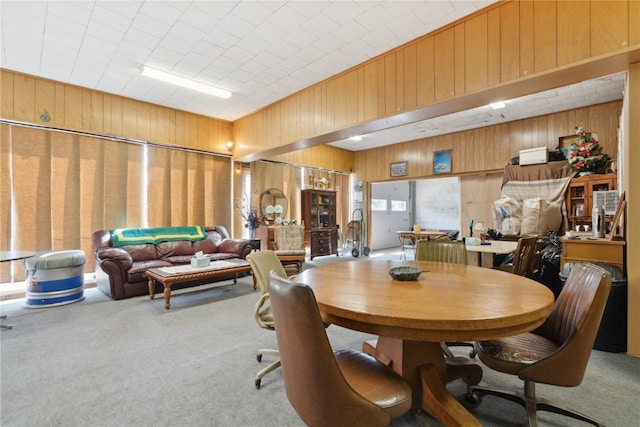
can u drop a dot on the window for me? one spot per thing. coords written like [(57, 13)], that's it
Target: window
[(378, 204), (398, 206)]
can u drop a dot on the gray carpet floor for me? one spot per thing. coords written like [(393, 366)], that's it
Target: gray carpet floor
[(100, 362)]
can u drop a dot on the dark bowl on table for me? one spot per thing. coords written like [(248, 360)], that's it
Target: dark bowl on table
[(405, 273)]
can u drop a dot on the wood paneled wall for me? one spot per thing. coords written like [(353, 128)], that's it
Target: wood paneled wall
[(490, 148), (320, 156), (26, 98), (502, 43)]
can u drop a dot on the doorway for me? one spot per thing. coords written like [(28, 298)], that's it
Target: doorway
[(391, 210)]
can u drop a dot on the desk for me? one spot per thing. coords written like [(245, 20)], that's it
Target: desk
[(500, 247), (448, 302), (6, 256), (408, 239)]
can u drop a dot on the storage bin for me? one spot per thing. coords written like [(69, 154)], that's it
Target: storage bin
[(55, 278)]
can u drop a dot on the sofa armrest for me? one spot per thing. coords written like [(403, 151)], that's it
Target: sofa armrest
[(235, 246), (116, 254)]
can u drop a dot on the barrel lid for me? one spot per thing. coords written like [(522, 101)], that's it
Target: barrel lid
[(55, 259), (617, 275)]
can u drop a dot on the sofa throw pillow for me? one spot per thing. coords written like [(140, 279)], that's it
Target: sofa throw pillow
[(539, 216), (507, 214)]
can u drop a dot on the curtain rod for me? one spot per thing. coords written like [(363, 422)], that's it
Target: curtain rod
[(111, 138)]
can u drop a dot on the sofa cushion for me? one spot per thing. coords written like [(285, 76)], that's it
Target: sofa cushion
[(179, 259), (136, 272), (143, 252), (221, 255), (176, 248), (207, 245)]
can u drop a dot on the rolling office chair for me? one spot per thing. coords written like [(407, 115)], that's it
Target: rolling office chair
[(558, 351), (327, 388), (261, 264), (451, 251)]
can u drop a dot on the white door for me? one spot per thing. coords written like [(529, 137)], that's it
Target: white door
[(390, 211)]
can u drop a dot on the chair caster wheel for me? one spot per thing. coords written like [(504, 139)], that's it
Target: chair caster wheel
[(259, 358), (258, 384), (471, 398)]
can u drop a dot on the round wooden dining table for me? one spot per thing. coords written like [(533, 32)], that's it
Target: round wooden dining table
[(448, 302)]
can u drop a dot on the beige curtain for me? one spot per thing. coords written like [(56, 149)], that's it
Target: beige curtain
[(58, 188), (188, 188)]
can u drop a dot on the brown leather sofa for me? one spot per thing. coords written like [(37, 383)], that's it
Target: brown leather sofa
[(120, 270)]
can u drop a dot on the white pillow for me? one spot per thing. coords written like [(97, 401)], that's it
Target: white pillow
[(507, 214), (539, 216)]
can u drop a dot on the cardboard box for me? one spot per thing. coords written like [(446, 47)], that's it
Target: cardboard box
[(534, 156)]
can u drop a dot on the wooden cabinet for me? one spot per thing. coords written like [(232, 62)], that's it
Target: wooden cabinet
[(319, 219), (579, 198), (599, 250)]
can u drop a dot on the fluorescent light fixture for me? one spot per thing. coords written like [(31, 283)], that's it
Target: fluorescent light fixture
[(497, 105), (181, 81), (356, 138)]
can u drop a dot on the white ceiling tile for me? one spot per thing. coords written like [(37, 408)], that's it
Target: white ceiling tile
[(321, 25), (148, 25), (309, 9), (263, 50), (217, 9), (287, 18), (238, 55), (127, 9), (140, 38), (76, 11), (373, 18), (110, 18), (268, 32), (162, 11), (175, 43), (301, 38), (253, 44), (267, 59), (221, 38), (253, 12), (345, 14), (184, 31), (236, 26)]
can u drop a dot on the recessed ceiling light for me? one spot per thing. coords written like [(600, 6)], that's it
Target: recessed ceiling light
[(181, 81), (497, 105), (356, 138)]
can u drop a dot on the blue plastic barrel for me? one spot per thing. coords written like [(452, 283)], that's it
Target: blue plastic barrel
[(55, 278)]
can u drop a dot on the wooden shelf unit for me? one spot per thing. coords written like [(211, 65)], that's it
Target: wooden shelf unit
[(579, 198), (319, 219)]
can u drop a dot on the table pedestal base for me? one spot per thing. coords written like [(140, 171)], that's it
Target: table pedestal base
[(424, 367)]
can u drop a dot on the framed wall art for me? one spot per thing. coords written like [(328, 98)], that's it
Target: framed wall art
[(564, 143), (398, 169), (442, 162)]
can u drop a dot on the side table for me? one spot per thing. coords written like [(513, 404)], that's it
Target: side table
[(255, 244), (6, 256)]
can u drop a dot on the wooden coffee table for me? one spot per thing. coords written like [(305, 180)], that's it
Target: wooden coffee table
[(167, 276)]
